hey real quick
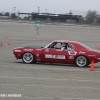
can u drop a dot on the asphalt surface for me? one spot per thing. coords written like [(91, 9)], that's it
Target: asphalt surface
[(46, 81)]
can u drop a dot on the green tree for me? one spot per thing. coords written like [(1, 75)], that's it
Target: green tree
[(81, 20), (98, 19), (13, 16), (7, 14), (1, 14), (91, 16), (26, 18)]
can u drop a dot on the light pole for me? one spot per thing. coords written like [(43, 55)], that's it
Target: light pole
[(38, 11), (14, 10), (18, 15), (45, 10), (54, 11)]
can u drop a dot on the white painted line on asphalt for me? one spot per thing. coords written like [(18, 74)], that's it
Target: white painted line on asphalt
[(59, 98), (54, 79), (49, 86), (78, 99), (38, 97)]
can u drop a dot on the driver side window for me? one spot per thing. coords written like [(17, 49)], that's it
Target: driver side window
[(57, 46), (52, 45), (62, 46)]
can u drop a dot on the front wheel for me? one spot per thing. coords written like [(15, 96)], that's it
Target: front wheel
[(28, 58), (81, 61)]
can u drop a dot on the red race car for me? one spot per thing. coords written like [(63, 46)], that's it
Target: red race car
[(59, 51)]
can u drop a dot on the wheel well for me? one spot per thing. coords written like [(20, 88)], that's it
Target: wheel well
[(26, 52), (84, 56), (31, 53)]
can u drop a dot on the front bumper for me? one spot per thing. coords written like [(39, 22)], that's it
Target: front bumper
[(17, 54)]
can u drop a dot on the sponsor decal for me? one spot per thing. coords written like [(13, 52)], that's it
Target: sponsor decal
[(60, 56), (81, 52), (55, 56), (48, 56), (17, 50), (37, 55), (38, 59), (71, 57), (28, 49), (72, 52), (38, 49), (91, 55)]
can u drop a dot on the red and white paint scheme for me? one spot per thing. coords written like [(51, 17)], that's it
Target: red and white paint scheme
[(59, 51)]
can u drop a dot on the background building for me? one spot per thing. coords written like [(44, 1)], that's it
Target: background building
[(50, 17)]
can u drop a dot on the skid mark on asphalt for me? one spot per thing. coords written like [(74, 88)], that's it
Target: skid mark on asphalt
[(57, 68), (53, 79), (57, 98)]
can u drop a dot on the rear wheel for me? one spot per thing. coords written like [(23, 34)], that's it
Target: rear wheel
[(81, 61), (28, 58)]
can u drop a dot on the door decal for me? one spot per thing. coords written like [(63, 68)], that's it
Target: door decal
[(72, 52), (55, 56)]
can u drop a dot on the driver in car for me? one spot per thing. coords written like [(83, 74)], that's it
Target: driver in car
[(63, 46)]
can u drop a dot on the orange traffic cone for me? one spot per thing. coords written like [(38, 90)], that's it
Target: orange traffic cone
[(8, 43), (6, 37), (98, 47), (92, 66), (49, 41), (1, 44), (42, 39)]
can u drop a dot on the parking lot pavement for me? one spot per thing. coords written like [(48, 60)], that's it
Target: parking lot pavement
[(45, 81)]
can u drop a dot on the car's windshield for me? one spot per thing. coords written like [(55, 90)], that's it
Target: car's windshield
[(85, 46), (48, 45)]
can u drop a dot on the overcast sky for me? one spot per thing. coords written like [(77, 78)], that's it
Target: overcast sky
[(57, 6)]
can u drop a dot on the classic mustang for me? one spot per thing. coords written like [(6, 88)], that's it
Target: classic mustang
[(59, 51)]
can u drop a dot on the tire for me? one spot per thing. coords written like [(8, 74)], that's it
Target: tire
[(28, 58), (81, 61)]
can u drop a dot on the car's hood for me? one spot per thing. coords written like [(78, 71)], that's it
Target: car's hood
[(32, 47), (28, 47)]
